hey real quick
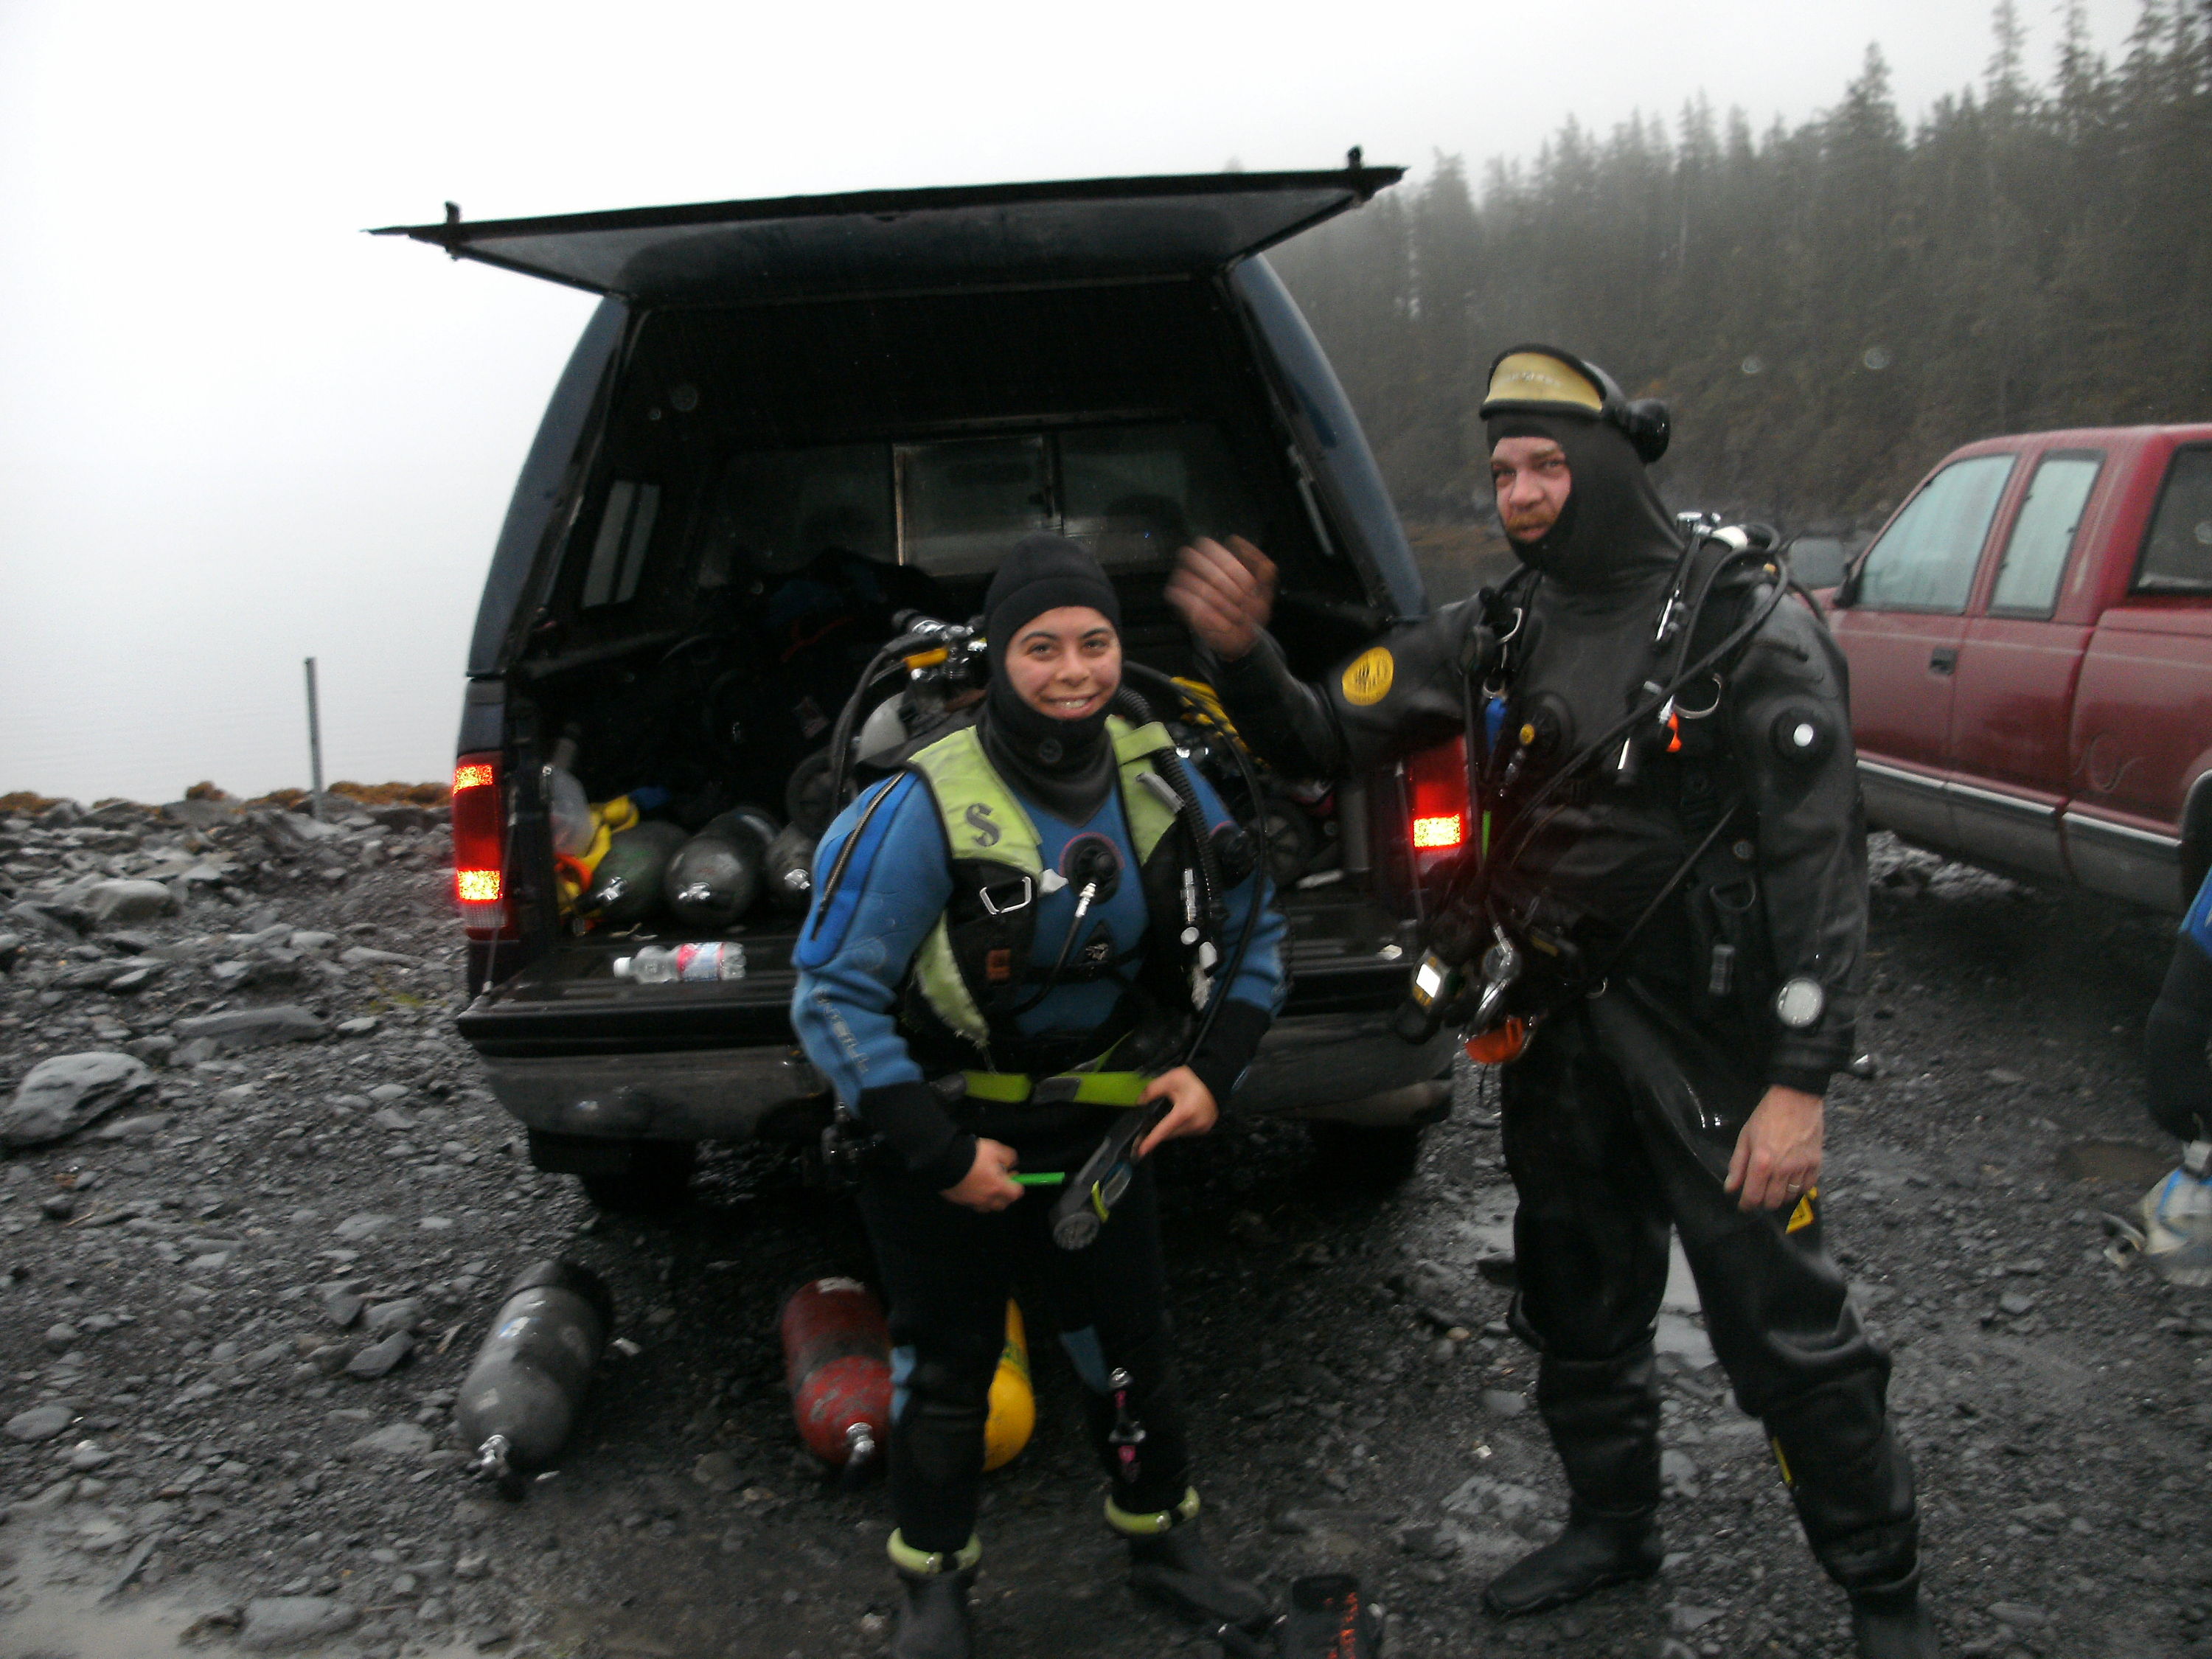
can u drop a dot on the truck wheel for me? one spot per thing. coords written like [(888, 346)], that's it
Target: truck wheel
[(1366, 1157), (657, 1180)]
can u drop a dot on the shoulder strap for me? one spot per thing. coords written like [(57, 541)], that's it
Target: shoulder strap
[(981, 818), (1150, 817)]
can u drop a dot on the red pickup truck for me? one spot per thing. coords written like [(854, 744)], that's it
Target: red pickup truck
[(2030, 639)]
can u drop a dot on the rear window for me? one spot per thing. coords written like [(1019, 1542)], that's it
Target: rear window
[(2177, 555), (1925, 559), (2043, 535), (953, 507)]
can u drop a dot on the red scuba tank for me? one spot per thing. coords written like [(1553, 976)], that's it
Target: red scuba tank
[(837, 1364)]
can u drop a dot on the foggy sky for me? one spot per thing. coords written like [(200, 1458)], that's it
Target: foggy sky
[(235, 432)]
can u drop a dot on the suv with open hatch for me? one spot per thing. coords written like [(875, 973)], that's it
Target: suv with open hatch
[(791, 426)]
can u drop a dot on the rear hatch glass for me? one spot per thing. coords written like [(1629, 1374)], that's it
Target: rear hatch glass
[(969, 236)]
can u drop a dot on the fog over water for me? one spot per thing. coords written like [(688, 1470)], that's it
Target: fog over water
[(235, 433)]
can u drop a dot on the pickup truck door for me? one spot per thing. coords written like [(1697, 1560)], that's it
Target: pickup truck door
[(1902, 628), (2143, 717), (2013, 687)]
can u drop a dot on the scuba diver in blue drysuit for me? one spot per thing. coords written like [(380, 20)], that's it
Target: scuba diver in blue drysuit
[(1004, 957), (2180, 1026)]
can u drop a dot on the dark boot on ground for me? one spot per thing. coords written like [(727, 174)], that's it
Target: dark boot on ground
[(1603, 1415), (1852, 1485), (1171, 1565), (1596, 1550), (932, 1617), (1890, 1623)]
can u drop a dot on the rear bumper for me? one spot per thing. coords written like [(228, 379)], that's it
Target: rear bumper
[(1342, 1067)]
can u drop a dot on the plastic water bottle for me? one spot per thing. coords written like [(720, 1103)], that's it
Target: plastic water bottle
[(667, 964)]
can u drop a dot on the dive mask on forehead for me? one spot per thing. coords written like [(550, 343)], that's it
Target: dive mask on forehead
[(1542, 380)]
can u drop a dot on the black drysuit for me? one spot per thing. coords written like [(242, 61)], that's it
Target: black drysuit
[(1621, 1115)]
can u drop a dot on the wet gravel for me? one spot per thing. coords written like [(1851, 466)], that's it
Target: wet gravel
[(192, 1440)]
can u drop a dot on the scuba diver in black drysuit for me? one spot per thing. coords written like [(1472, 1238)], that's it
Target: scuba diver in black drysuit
[(1669, 904)]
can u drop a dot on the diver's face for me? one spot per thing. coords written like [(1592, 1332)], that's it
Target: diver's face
[(1065, 663), (1532, 482)]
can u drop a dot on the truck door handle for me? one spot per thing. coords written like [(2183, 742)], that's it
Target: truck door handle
[(1944, 658)]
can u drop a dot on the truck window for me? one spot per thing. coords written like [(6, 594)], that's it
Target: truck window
[(775, 512), (618, 553), (2043, 535), (1925, 559), (965, 502), (2177, 555)]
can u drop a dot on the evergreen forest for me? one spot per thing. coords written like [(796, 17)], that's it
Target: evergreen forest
[(1828, 308)]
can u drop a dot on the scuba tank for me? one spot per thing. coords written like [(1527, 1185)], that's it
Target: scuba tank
[(749, 826), (520, 1399), (837, 1364), (626, 884), (712, 881), (788, 869), (1013, 1402)]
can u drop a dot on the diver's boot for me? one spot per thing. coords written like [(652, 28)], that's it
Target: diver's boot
[(1596, 1549), (1603, 1415), (1852, 1485), (1170, 1564), (1889, 1622), (933, 1618)]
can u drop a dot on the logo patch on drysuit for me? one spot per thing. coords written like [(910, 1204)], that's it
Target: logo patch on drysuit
[(998, 966), (979, 819), (1801, 1217), (1367, 681)]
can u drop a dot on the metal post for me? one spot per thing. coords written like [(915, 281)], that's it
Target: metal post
[(315, 745)]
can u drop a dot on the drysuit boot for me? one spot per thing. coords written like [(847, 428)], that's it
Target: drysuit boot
[(933, 1617), (1171, 1565), (1890, 1623), (1603, 1416)]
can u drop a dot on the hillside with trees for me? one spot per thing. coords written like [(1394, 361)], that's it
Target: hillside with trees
[(1829, 306)]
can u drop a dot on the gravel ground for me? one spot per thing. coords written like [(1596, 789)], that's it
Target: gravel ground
[(187, 1452)]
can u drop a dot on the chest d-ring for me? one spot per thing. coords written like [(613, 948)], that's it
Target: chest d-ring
[(1689, 714)]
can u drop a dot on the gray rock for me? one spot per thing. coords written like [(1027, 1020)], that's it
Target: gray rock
[(1503, 1402), (63, 1094), (392, 1118), (355, 1227), (201, 814), (56, 921), (2018, 1615), (133, 1128), (254, 1028), (2016, 1304), (129, 901), (154, 1050), (135, 977), (717, 1471), (360, 956), (1678, 1471), (40, 1423), (60, 1338), (1683, 1619), (88, 1455), (378, 1359), (396, 1440), (60, 1207), (277, 1624), (342, 1304), (386, 1317), (360, 1027), (385, 1093)]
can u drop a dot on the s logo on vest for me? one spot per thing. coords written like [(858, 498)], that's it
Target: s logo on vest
[(1367, 681), (979, 819)]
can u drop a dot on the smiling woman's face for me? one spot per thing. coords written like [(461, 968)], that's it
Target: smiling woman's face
[(1065, 663)]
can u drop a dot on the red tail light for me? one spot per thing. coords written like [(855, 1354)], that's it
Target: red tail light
[(479, 845), (1436, 786)]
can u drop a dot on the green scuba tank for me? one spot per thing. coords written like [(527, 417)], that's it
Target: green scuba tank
[(626, 884)]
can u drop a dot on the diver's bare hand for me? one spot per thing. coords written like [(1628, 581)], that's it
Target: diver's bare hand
[(989, 1184), (1778, 1155), (1225, 594), (1193, 1111)]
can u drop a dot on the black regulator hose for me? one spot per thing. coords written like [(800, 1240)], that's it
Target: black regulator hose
[(1193, 819)]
